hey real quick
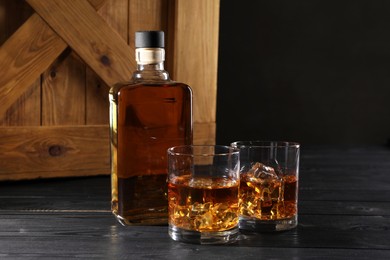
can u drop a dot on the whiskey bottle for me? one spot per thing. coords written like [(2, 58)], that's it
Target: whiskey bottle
[(148, 114)]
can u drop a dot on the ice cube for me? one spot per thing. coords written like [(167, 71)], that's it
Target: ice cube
[(263, 193), (263, 171)]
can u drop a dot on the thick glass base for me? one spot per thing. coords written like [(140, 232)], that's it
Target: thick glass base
[(256, 225), (204, 238)]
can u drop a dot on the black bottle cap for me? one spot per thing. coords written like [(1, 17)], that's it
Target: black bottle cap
[(149, 39)]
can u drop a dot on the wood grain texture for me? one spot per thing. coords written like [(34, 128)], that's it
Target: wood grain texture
[(196, 53), (193, 48), (63, 91), (90, 36), (25, 55), (26, 109), (115, 14), (204, 133), (53, 151), (97, 104)]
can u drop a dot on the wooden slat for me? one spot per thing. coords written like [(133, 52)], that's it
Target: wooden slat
[(115, 14), (204, 133), (26, 55), (195, 59), (96, 234), (53, 151), (63, 91), (26, 109), (97, 104), (98, 4), (90, 36), (196, 53)]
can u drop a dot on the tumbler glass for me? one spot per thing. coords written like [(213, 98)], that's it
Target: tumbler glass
[(269, 185), (203, 190)]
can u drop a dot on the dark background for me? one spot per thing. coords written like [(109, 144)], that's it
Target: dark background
[(316, 72)]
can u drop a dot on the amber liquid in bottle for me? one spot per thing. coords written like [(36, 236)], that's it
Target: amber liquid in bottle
[(148, 115)]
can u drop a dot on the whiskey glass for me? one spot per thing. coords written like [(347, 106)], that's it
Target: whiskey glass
[(203, 194), (268, 185)]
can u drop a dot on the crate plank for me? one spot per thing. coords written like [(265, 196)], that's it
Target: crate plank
[(97, 104), (90, 36), (196, 55), (63, 91), (196, 47), (115, 14), (53, 151), (26, 109), (24, 56), (204, 133)]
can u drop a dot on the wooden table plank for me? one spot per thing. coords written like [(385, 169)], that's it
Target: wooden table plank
[(98, 232)]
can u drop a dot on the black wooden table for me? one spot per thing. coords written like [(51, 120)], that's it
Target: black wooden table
[(344, 212)]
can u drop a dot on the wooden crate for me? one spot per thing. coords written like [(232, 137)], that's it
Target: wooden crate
[(58, 59)]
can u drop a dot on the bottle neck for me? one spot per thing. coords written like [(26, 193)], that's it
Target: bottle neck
[(154, 66), (150, 65)]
